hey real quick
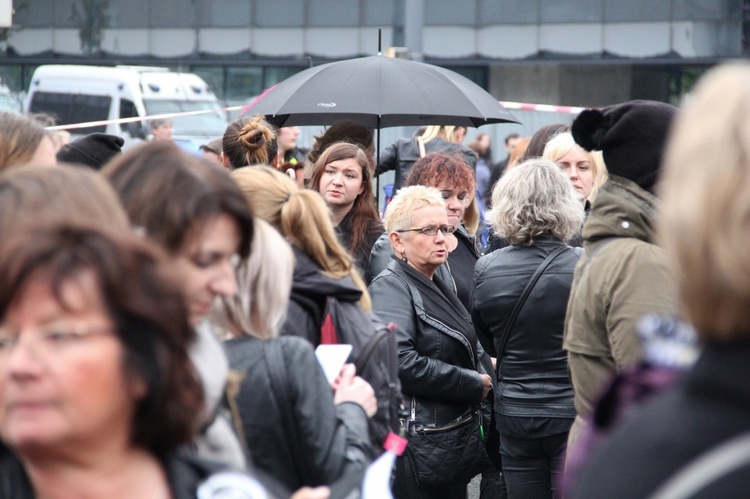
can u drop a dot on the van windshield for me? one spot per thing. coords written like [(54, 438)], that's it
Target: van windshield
[(210, 124)]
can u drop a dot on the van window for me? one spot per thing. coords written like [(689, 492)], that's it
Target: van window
[(127, 110), (73, 108)]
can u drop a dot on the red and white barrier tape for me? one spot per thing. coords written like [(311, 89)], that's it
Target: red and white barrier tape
[(141, 118), (523, 106), (546, 108)]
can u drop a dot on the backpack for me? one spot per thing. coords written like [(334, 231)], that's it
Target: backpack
[(374, 354)]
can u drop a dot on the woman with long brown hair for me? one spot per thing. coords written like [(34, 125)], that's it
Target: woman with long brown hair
[(343, 177)]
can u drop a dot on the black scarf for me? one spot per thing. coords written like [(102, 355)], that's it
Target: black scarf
[(441, 303)]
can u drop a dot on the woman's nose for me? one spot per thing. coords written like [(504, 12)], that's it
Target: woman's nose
[(225, 284)]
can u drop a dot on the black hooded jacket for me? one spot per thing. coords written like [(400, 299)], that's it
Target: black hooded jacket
[(310, 288)]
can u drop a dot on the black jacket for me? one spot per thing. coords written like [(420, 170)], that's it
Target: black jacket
[(437, 365), (709, 406), (325, 438), (533, 376), (362, 253), (402, 154), (310, 288)]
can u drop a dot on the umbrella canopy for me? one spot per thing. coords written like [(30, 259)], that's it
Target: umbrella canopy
[(379, 92)]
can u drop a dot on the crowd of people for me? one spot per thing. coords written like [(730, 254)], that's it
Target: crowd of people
[(164, 315)]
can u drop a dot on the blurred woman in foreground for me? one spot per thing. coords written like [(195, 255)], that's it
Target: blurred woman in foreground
[(96, 387), (705, 189)]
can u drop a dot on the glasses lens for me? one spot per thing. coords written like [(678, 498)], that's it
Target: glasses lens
[(430, 230), (447, 229)]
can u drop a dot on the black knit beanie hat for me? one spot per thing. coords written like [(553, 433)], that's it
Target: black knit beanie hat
[(632, 137), (94, 150)]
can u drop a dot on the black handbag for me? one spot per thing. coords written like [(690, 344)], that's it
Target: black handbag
[(451, 453)]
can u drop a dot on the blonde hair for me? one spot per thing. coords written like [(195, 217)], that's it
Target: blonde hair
[(398, 214), (264, 285), (533, 199), (705, 187), (20, 137), (302, 217), (562, 143), (472, 217), (445, 132)]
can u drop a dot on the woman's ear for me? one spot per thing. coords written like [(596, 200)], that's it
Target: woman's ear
[(397, 243), (137, 387)]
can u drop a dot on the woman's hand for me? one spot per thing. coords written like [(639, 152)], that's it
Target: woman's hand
[(486, 385), (351, 388)]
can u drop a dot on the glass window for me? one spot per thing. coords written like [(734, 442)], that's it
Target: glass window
[(127, 110), (381, 13), (571, 11), (450, 12), (229, 13), (636, 10), (270, 13), (12, 77), (477, 74), (243, 83), (70, 14), (40, 14), (333, 13), (275, 74), (73, 108), (163, 13), (214, 76), (129, 14), (705, 9), (508, 12)]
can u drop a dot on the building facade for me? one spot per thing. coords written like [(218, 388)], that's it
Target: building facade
[(566, 52)]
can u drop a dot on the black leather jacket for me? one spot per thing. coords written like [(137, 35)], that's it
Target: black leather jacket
[(402, 154), (533, 376), (329, 439), (437, 365)]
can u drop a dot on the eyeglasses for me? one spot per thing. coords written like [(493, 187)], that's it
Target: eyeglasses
[(51, 339), (431, 230)]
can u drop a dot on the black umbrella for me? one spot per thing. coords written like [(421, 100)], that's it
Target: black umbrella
[(379, 92)]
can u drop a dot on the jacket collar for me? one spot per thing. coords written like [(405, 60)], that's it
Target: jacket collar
[(621, 209)]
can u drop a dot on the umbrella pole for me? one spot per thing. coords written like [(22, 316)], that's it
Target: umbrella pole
[(377, 162)]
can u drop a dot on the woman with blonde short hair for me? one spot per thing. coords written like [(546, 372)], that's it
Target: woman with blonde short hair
[(442, 378)]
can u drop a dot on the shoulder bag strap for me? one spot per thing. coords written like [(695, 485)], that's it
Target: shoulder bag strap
[(522, 299)]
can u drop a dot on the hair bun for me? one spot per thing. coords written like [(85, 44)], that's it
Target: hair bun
[(589, 128)]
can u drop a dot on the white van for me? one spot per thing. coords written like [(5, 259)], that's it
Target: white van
[(79, 94)]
